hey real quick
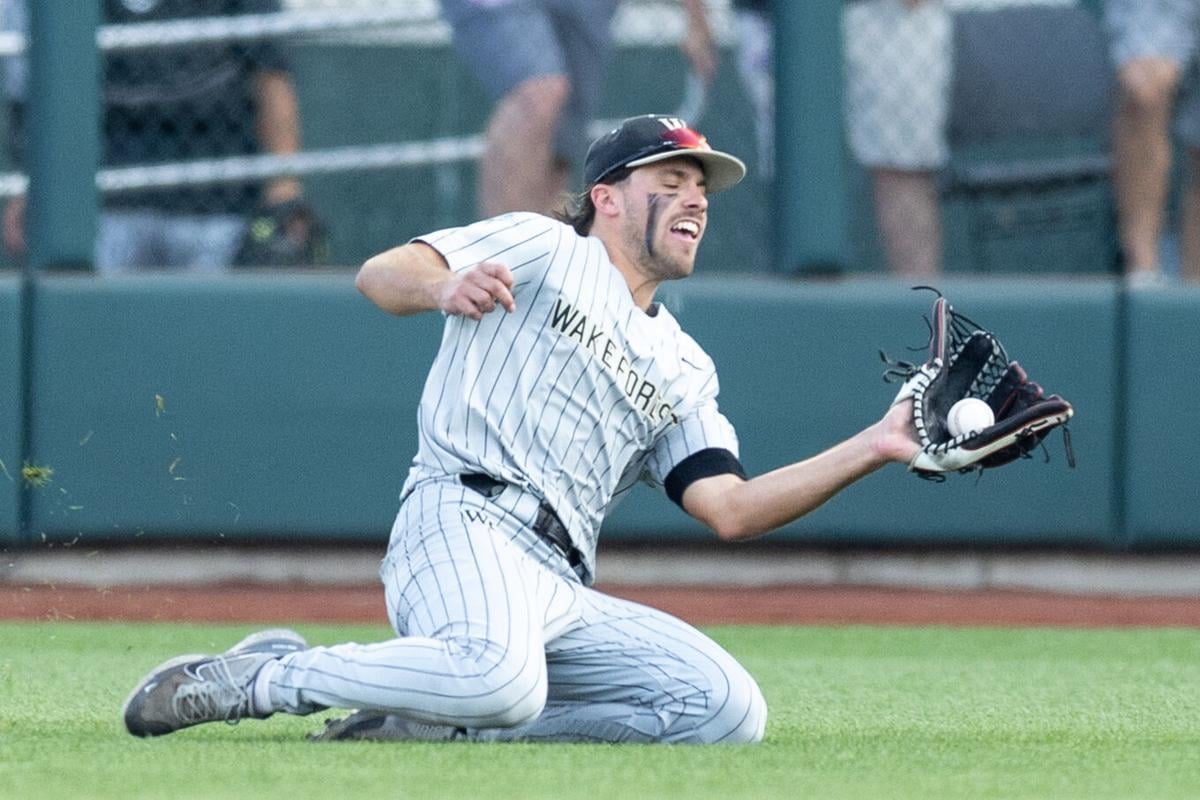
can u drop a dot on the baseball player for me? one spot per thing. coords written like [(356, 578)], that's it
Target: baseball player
[(560, 383)]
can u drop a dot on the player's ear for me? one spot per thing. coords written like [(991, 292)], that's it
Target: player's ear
[(604, 198)]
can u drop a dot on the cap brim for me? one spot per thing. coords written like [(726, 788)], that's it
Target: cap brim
[(721, 170)]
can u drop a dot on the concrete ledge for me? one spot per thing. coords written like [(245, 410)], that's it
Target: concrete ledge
[(1143, 576), (1086, 574), (186, 566)]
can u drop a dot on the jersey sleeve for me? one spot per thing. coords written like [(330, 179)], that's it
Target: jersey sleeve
[(701, 427), (522, 242)]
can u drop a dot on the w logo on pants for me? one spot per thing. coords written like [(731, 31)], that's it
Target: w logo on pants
[(477, 517)]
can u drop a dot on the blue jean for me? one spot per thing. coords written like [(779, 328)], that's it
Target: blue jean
[(146, 239)]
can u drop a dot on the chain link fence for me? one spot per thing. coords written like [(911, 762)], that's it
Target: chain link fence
[(976, 130), (216, 112), (980, 129)]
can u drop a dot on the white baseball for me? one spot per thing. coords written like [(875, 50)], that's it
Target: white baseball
[(969, 414)]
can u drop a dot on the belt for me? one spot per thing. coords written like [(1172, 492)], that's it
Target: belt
[(547, 525)]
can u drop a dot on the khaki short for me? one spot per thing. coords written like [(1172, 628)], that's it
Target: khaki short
[(898, 68), (1165, 29), (506, 42), (899, 64)]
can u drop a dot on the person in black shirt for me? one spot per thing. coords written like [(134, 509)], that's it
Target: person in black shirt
[(173, 104)]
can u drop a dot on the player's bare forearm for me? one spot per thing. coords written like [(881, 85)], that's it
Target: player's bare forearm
[(415, 277), (738, 509), (404, 280)]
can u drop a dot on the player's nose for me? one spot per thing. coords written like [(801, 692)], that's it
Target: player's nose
[(695, 197)]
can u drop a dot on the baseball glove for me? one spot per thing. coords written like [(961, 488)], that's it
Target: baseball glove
[(283, 235), (967, 361)]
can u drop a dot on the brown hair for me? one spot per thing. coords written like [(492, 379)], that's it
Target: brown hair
[(580, 211)]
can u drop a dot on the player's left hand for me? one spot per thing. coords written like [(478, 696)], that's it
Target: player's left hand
[(966, 361), (896, 439)]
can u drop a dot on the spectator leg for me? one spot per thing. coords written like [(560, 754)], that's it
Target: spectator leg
[(1189, 267), (909, 220), (519, 170), (1142, 146)]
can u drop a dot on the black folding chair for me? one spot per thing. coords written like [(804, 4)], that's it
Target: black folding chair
[(1030, 112)]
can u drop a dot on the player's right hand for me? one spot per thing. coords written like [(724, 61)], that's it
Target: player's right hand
[(478, 291)]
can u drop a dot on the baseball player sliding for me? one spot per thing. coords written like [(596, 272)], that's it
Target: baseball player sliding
[(559, 384)]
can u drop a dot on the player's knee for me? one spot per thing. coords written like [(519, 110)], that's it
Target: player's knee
[(505, 712), (738, 713), (744, 715), (519, 702), (729, 709), (508, 688)]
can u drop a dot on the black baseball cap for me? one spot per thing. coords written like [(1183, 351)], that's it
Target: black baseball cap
[(653, 137)]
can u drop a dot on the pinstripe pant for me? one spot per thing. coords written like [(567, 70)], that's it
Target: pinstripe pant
[(498, 636)]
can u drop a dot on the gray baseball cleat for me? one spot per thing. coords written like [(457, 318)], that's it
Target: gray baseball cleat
[(191, 689), (380, 726), (278, 641)]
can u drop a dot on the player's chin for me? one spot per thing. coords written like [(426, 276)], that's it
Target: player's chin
[(679, 268), (684, 259)]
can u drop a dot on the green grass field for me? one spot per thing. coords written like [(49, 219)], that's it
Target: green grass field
[(856, 712)]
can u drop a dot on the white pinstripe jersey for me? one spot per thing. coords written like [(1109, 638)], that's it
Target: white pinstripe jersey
[(578, 394)]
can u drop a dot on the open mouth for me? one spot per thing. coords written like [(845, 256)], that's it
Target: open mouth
[(687, 228)]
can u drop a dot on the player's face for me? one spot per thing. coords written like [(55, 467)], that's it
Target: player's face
[(666, 211)]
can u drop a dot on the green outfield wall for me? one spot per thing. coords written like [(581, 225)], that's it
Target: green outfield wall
[(282, 407), (1161, 449), (10, 403), (799, 371), (256, 406)]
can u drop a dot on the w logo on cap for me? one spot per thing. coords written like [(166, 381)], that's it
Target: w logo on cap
[(671, 123)]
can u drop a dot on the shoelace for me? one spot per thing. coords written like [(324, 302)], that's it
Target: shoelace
[(211, 698)]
